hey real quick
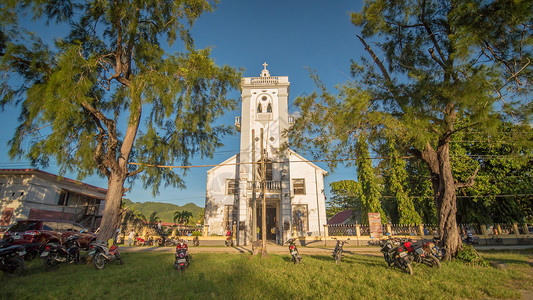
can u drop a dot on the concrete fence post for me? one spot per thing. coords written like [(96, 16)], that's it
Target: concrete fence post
[(421, 228), (526, 230), (206, 230), (326, 233), (515, 229)]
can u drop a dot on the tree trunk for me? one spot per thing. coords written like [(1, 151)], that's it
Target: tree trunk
[(113, 200), (446, 201), (445, 197)]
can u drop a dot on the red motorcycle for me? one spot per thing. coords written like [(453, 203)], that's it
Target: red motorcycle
[(104, 252), (421, 253), (293, 250), (182, 256)]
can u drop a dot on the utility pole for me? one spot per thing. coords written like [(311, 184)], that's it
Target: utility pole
[(254, 203), (263, 217)]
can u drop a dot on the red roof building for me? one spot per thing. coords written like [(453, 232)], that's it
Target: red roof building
[(341, 218)]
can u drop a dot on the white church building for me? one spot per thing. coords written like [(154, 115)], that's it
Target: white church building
[(294, 187)]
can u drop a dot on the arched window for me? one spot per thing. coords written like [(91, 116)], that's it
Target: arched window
[(269, 108), (259, 108)]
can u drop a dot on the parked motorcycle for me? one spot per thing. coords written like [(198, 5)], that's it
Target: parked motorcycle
[(104, 252), (421, 254), (181, 261), (471, 240), (171, 242), (54, 253), (12, 260), (229, 241), (395, 256), (434, 247), (196, 241), (32, 249), (296, 258), (337, 252)]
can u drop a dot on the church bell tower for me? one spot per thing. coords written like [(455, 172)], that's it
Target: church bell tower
[(264, 118)]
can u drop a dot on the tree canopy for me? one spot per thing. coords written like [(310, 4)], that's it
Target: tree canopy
[(108, 93), (431, 64)]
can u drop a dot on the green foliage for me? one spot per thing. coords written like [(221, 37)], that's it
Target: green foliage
[(397, 176), (469, 255), (370, 190), (420, 187), (504, 183), (92, 89), (346, 195), (182, 216), (165, 211)]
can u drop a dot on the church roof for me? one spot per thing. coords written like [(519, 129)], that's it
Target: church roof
[(233, 160), (307, 161), (230, 160)]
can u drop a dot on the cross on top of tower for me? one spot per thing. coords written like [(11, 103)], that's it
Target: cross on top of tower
[(265, 72)]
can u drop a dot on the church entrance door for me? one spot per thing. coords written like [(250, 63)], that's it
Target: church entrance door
[(271, 219)]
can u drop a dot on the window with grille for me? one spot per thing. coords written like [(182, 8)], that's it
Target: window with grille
[(298, 186), (232, 187)]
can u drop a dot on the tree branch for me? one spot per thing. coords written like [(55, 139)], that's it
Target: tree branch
[(470, 182)]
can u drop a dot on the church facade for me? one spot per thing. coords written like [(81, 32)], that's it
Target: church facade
[(293, 187)]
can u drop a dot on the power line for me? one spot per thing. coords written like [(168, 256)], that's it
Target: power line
[(320, 160)]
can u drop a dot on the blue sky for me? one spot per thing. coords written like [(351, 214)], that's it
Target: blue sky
[(290, 36)]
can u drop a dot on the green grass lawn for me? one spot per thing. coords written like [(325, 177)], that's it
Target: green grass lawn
[(232, 276)]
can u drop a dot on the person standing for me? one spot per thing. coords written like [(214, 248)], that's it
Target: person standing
[(130, 237)]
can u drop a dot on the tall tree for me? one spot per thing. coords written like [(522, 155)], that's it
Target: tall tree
[(370, 189), (92, 91), (438, 61), (396, 183)]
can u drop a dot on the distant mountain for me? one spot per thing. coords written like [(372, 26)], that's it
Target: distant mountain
[(165, 211)]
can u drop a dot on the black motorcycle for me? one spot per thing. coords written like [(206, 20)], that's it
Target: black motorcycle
[(181, 261), (471, 240), (32, 249), (395, 256), (55, 254), (295, 255), (12, 260), (337, 252)]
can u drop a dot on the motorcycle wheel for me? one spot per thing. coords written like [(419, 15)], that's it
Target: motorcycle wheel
[(297, 259), (431, 261), (50, 263), (439, 253), (99, 261), (14, 266), (338, 257), (387, 259), (406, 266), (118, 258), (179, 267)]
